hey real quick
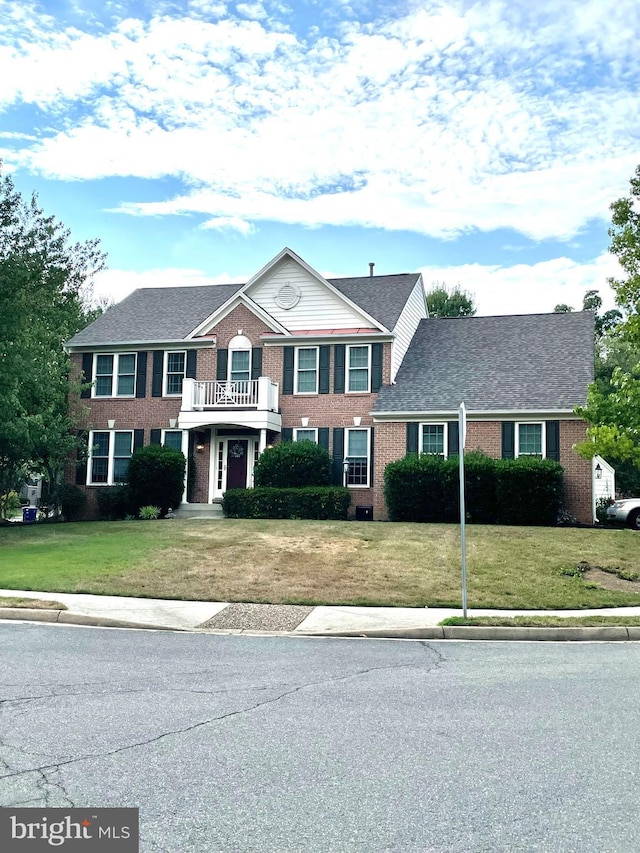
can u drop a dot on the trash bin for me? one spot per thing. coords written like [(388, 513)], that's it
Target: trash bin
[(29, 514)]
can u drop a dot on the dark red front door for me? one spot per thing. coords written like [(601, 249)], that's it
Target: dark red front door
[(237, 464)]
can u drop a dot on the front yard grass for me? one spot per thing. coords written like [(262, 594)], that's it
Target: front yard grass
[(313, 562)]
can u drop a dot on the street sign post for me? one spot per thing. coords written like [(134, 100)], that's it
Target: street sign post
[(462, 435)]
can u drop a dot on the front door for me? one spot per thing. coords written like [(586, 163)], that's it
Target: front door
[(237, 463)]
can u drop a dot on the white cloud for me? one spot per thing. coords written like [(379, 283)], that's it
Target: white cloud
[(229, 223), (456, 117), (529, 288)]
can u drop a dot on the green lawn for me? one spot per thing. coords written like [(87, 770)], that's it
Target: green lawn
[(319, 562)]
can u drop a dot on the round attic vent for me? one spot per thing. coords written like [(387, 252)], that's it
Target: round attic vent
[(288, 296)]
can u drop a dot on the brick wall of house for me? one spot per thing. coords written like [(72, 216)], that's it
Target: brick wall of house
[(390, 445)]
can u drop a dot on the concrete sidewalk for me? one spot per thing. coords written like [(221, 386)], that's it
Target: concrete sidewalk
[(395, 622)]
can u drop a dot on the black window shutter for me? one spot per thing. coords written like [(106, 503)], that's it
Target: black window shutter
[(338, 455), (256, 363), (158, 365), (325, 355), (371, 458), (376, 367), (138, 439), (87, 373), (508, 440), (453, 438), (141, 375), (412, 437), (221, 366), (155, 436), (338, 368), (323, 437), (192, 363), (287, 373), (553, 440), (287, 434), (81, 469)]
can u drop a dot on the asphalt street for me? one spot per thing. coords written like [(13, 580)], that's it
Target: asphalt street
[(240, 743)]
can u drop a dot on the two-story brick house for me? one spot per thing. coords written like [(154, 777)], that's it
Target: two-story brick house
[(223, 371)]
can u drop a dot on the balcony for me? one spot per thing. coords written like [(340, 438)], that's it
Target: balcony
[(252, 403)]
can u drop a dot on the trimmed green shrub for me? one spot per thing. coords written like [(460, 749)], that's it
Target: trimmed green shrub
[(156, 477), (293, 464), (529, 490), (114, 502), (422, 488), (72, 500), (314, 502), (480, 486), (426, 488)]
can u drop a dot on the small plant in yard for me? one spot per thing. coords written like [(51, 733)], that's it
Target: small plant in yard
[(149, 513)]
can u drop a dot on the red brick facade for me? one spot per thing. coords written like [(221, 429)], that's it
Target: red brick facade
[(322, 410)]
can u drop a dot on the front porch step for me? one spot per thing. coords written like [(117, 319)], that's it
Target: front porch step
[(199, 511)]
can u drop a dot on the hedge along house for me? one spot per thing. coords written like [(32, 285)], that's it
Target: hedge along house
[(223, 371)]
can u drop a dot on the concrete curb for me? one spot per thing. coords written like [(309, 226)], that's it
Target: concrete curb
[(479, 632), (24, 614)]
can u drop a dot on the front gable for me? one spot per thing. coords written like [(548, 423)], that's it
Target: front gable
[(300, 299)]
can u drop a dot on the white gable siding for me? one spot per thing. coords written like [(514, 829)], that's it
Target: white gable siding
[(412, 313), (318, 307)]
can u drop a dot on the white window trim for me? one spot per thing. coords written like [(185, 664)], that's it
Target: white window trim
[(543, 438), (114, 377), (110, 458), (165, 431), (445, 443), (314, 430), (347, 430), (348, 373), (165, 374), (295, 371)]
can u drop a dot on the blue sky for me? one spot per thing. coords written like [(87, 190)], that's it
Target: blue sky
[(478, 142)]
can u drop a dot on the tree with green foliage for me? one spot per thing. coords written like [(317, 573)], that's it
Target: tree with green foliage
[(562, 308), (449, 302), (613, 401), (45, 283)]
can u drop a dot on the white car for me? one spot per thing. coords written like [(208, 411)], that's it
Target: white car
[(625, 511)]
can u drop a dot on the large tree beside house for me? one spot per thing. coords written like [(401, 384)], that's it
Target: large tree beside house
[(44, 286), (354, 364)]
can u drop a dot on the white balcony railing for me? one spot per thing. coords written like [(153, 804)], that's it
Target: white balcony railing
[(260, 394)]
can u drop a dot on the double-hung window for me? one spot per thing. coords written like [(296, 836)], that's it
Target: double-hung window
[(306, 370), (240, 366), (434, 440), (109, 456), (175, 366), (359, 368), (530, 439), (115, 375), (172, 438), (305, 435), (357, 456)]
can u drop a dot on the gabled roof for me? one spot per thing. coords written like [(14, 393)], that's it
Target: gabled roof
[(535, 362), (155, 314), (381, 296)]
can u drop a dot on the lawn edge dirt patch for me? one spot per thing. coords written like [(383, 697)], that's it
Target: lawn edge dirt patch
[(31, 603)]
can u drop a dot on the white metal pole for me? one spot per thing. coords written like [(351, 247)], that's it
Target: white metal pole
[(462, 428)]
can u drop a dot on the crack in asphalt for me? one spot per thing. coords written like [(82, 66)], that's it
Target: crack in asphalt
[(55, 766)]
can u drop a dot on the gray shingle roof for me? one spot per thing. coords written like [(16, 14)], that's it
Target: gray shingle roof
[(155, 314), (171, 313), (536, 362), (382, 296)]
